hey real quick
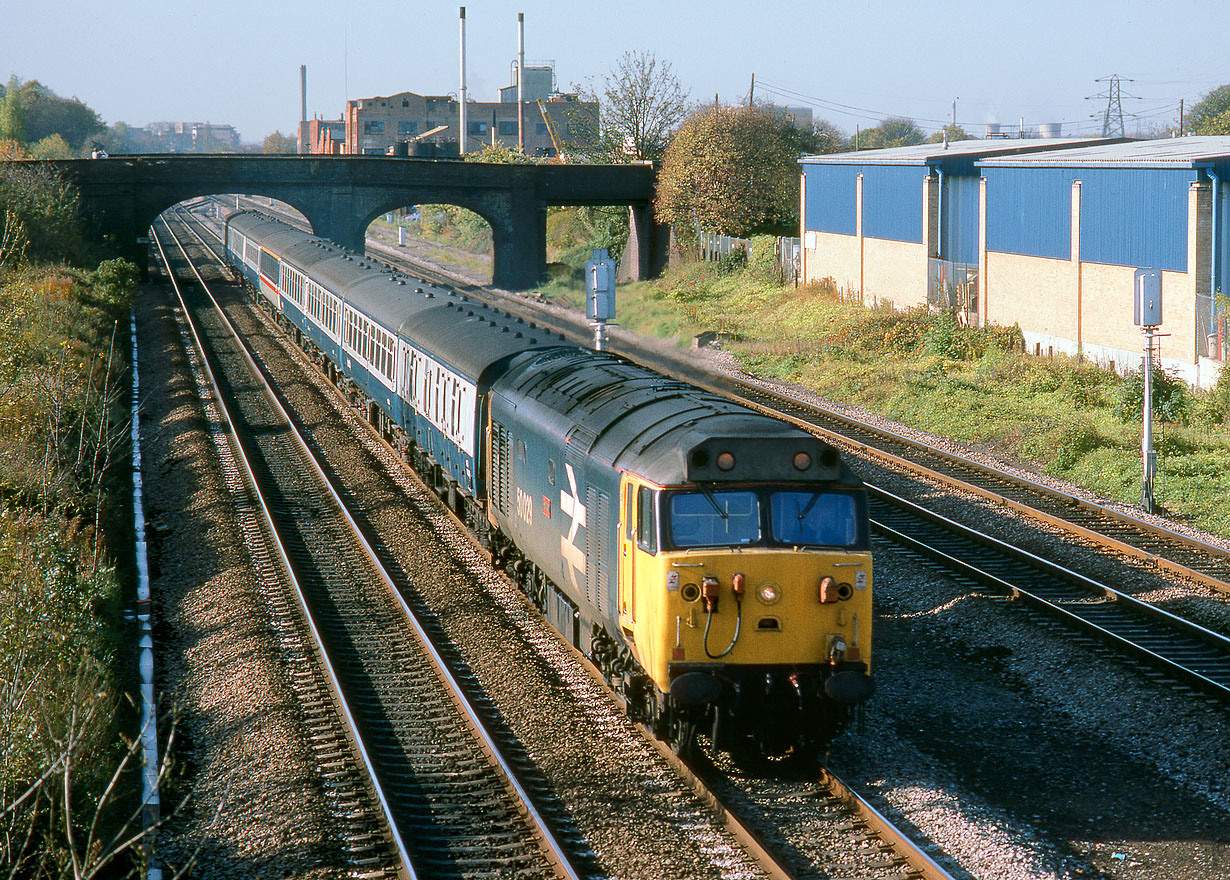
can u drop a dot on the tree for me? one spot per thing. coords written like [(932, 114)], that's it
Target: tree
[(12, 114), (641, 102), (954, 132), (820, 137), (1211, 114), (279, 143), (47, 114), (895, 131), (827, 138), (732, 170), (498, 154), (52, 147)]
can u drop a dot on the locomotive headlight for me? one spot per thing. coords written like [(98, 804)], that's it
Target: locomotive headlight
[(802, 461), (768, 594), (725, 460)]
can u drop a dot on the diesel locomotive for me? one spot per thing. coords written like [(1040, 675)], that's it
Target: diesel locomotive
[(712, 562)]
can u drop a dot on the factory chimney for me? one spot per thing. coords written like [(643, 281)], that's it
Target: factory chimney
[(461, 119), (303, 120), (521, 82)]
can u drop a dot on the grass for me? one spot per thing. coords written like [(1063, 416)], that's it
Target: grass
[(1061, 416)]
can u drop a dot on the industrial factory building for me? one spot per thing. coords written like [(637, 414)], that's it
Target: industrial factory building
[(1045, 234)]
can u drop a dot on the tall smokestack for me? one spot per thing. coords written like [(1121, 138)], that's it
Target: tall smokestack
[(521, 82), (303, 120), (461, 121)]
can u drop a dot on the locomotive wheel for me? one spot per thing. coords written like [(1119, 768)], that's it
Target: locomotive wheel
[(682, 738)]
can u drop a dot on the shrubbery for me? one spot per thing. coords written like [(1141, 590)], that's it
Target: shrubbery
[(62, 425), (1172, 398)]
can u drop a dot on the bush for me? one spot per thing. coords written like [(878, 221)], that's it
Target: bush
[(44, 207), (762, 259), (1172, 398), (1062, 445), (690, 283), (114, 281), (1214, 407), (731, 262)]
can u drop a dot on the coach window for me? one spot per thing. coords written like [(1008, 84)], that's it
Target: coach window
[(647, 520)]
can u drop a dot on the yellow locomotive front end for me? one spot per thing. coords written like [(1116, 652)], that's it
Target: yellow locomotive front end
[(748, 603)]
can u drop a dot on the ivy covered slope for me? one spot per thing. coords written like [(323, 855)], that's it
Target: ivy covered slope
[(65, 652)]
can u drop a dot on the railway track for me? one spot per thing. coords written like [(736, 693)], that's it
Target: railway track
[(441, 798), (856, 836), (1183, 650)]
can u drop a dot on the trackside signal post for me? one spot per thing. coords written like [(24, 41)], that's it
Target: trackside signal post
[(1147, 315), (600, 301)]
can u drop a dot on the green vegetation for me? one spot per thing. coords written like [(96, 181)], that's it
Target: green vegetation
[(1062, 416), (734, 170), (32, 114), (1211, 114), (895, 131), (65, 718)]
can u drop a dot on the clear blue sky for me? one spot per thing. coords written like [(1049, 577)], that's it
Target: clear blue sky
[(854, 62)]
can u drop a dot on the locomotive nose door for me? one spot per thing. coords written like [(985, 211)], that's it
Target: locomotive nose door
[(627, 558)]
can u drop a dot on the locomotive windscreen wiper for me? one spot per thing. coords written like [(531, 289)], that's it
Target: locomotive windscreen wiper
[(806, 510), (708, 493)]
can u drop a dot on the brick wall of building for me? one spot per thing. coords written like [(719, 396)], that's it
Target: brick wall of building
[(830, 255), (894, 272)]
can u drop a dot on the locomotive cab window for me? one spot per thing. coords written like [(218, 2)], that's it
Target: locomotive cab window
[(809, 517), (707, 519), (647, 520), (781, 516)]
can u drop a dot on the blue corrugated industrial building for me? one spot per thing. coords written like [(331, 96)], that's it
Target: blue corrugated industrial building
[(1043, 234)]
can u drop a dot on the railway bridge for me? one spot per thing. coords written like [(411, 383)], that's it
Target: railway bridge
[(341, 195)]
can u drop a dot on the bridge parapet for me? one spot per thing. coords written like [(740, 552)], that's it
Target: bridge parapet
[(341, 195)]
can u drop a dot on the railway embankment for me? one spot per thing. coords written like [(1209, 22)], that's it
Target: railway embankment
[(68, 659)]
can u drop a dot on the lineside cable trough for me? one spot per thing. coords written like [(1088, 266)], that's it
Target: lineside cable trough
[(150, 800)]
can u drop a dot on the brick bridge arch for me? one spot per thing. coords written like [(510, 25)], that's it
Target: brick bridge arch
[(341, 195)]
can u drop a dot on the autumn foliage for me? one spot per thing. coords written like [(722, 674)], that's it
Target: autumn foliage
[(732, 170)]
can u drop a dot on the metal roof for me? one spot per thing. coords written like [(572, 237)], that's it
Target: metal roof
[(931, 154), (1184, 152)]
